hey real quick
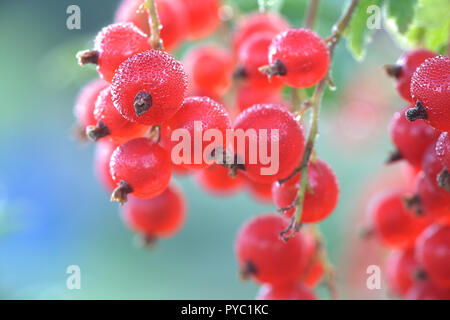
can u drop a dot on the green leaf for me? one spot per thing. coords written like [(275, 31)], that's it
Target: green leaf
[(366, 19), (401, 12)]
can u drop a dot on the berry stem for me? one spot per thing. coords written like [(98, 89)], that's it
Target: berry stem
[(155, 25), (315, 102), (311, 14), (120, 194)]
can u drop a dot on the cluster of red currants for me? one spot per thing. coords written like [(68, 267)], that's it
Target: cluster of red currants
[(146, 96), (414, 221)]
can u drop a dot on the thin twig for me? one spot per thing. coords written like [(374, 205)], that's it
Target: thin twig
[(155, 25), (311, 14)]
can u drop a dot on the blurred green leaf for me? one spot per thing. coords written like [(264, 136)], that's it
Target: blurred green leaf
[(401, 12), (358, 33)]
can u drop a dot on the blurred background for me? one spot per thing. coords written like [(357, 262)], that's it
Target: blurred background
[(53, 212)]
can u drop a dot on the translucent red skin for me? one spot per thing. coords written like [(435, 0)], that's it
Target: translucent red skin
[(172, 14), (401, 268), (143, 72), (443, 149), (115, 44), (210, 113), (392, 223), (426, 290), (253, 54), (291, 139), (435, 201), (287, 291), (317, 205), (430, 85), (433, 253), (144, 165), (85, 103), (431, 164), (159, 217), (304, 54), (258, 22), (262, 192), (121, 130), (276, 261), (409, 62), (411, 138), (103, 152), (209, 69), (216, 180), (314, 269), (203, 17), (249, 95)]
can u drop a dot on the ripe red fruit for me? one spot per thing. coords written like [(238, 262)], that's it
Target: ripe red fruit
[(395, 226), (404, 69), (85, 103), (261, 121), (264, 256), (253, 54), (258, 22), (203, 17), (103, 152), (172, 14), (113, 45), (299, 57), (149, 87), (260, 191), (159, 217), (142, 168), (286, 291), (314, 268), (430, 89), (196, 115), (431, 164), (215, 179), (411, 138), (433, 253), (443, 149), (402, 270), (317, 204), (209, 69), (110, 123), (426, 290), (249, 95)]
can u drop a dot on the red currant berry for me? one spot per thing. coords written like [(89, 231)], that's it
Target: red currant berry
[(85, 103), (404, 69), (299, 57), (411, 138), (264, 256), (402, 270), (172, 14), (430, 89), (110, 123), (258, 22), (318, 203), (431, 164), (209, 69), (253, 54), (203, 17), (314, 268), (216, 179), (262, 192), (196, 116), (286, 291), (142, 168), (395, 226), (155, 218), (103, 152), (443, 149), (433, 253), (249, 95), (426, 290), (262, 121), (149, 87), (113, 45)]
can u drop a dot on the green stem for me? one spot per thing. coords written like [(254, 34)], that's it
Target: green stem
[(155, 25), (311, 14)]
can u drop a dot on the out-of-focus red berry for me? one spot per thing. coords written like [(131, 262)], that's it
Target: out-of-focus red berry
[(215, 179), (85, 103), (288, 291), (203, 17)]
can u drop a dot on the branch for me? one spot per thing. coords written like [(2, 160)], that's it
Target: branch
[(315, 102), (311, 14), (155, 25)]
